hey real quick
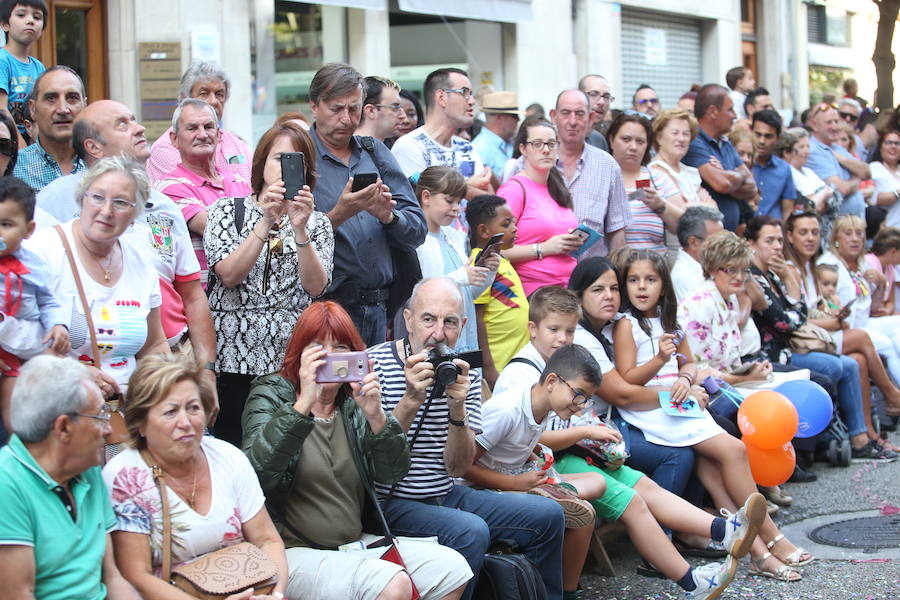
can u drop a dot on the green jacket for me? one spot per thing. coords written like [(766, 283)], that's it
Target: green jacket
[(274, 434)]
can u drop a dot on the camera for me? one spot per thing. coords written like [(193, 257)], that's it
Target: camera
[(441, 357)]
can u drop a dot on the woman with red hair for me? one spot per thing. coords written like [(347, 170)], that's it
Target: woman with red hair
[(317, 448)]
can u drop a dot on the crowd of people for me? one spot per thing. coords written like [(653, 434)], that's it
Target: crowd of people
[(524, 297)]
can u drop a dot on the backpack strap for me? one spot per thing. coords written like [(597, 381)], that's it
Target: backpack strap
[(526, 361)]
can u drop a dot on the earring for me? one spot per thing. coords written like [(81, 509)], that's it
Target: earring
[(837, 244)]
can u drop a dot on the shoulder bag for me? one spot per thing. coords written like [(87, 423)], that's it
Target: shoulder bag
[(812, 338), (214, 575), (119, 433)]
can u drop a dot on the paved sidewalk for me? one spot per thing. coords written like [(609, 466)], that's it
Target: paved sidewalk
[(859, 487)]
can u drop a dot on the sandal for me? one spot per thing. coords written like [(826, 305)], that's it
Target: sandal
[(782, 573), (797, 558), (776, 495), (887, 444)]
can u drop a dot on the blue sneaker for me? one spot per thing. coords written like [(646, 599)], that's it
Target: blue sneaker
[(712, 579)]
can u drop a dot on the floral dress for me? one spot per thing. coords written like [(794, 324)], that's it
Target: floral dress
[(712, 329), (781, 317)]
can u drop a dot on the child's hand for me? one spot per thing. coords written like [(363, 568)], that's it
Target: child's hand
[(530, 479), (680, 390), (602, 433), (666, 346), (58, 338), (492, 263), (476, 275)]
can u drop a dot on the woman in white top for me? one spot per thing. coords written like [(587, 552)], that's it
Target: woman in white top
[(793, 148), (673, 132), (885, 167)]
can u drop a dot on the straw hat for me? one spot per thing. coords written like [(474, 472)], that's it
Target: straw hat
[(501, 103)]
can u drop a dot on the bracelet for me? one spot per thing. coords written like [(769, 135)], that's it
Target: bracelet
[(896, 194), (457, 423), (690, 380), (303, 244), (537, 252), (257, 236)]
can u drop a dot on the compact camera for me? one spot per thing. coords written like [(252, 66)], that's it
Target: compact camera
[(343, 367), (441, 357)]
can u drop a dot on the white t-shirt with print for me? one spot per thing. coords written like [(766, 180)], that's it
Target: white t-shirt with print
[(416, 151), (236, 498), (119, 312)]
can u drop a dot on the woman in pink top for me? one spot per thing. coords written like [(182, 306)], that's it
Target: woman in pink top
[(539, 199)]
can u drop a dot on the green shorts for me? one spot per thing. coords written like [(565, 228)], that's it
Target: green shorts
[(619, 484)]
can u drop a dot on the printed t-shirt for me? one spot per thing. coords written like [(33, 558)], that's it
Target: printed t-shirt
[(505, 313)]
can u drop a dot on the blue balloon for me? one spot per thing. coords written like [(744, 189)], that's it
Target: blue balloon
[(813, 405)]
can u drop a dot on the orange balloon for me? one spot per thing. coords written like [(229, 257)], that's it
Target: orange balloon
[(767, 419), (773, 466)]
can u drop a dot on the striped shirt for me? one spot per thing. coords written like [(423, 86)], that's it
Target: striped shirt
[(646, 229), (427, 477)]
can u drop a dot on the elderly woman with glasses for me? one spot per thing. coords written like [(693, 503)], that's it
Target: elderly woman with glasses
[(542, 205), (120, 288)]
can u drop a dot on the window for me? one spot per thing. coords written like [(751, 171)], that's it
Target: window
[(827, 25)]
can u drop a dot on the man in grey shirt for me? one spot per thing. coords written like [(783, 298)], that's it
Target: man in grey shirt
[(367, 223)]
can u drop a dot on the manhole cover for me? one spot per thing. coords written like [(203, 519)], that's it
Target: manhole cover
[(867, 533)]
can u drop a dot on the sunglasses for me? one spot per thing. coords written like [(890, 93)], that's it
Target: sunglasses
[(6, 147), (820, 107), (848, 116)]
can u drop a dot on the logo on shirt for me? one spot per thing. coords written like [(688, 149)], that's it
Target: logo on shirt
[(161, 236), (502, 290)]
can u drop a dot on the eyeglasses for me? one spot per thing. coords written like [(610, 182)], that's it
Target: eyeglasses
[(539, 144), (104, 415), (6, 147), (732, 271), (392, 107), (578, 398), (463, 91), (98, 200), (648, 101), (848, 116), (892, 143), (594, 94)]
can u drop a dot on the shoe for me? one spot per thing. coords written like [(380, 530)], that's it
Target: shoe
[(713, 549), (795, 558), (712, 579), (801, 475), (645, 569), (776, 495), (782, 573), (741, 527), (872, 452), (579, 513)]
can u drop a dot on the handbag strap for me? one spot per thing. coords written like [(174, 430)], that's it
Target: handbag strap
[(81, 295), (524, 196), (160, 478)]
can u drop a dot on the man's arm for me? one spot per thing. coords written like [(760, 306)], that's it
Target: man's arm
[(747, 190), (200, 329), (459, 453), (856, 167), (117, 587), (17, 572), (846, 187), (615, 239), (197, 223), (720, 180)]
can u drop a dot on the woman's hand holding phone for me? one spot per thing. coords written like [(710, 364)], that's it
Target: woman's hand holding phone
[(562, 243), (299, 210)]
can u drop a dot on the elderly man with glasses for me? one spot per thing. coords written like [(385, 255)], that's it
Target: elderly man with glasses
[(54, 535)]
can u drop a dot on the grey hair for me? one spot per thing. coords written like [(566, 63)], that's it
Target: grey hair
[(202, 71), (693, 222), (850, 102), (119, 164), (453, 284), (39, 398), (800, 132), (196, 103)]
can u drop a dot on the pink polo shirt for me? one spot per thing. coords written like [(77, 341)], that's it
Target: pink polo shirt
[(193, 194), (232, 156)]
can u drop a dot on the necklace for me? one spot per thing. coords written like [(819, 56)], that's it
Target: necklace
[(107, 270), (193, 485)]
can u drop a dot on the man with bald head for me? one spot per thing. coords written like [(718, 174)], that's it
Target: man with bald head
[(55, 101), (107, 128), (830, 161), (593, 177), (427, 501), (722, 171)]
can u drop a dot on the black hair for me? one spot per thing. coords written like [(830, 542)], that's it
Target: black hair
[(572, 362), (13, 131), (668, 305), (556, 185), (644, 122), (770, 118), (420, 115), (753, 94), (876, 153), (7, 7), (481, 210), (586, 272), (875, 216), (643, 86), (438, 79), (755, 225), (13, 189), (711, 94)]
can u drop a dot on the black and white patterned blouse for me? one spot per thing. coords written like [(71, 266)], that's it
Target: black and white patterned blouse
[(252, 327)]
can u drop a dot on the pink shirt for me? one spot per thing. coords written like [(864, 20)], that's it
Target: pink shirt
[(232, 156), (194, 194), (539, 218)]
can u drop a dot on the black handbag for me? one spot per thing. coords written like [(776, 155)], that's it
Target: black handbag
[(507, 575)]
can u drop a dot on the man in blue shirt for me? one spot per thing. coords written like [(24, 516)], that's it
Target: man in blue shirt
[(723, 172), (495, 142), (834, 164), (773, 175)]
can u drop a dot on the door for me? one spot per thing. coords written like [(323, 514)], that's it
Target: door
[(75, 36)]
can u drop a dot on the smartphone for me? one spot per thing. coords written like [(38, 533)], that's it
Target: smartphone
[(637, 194), (363, 180), (490, 249), (292, 173), (849, 304), (641, 184), (342, 367)]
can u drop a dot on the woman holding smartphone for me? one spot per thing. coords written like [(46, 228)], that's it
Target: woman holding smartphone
[(271, 256), (541, 202), (655, 201)]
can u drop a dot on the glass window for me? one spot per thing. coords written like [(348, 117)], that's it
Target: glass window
[(71, 36)]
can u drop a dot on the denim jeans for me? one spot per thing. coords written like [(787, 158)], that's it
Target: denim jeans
[(844, 371), (468, 520), (668, 466), (370, 321)]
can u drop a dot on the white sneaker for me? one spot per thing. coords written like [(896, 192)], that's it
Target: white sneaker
[(741, 527), (712, 579)]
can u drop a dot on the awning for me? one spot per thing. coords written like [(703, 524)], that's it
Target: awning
[(506, 11), (366, 4)]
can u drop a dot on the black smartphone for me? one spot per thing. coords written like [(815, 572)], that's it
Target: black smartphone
[(363, 180), (491, 248), (292, 173)]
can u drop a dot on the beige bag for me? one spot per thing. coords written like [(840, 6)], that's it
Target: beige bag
[(812, 338), (218, 574)]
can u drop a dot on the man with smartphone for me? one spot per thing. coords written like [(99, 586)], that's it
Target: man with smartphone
[(371, 224)]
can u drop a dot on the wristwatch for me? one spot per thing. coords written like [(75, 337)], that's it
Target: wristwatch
[(210, 366), (395, 218), (458, 423)]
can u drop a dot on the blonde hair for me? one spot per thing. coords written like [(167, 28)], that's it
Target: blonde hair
[(847, 222), (151, 382), (669, 115), (723, 249)]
